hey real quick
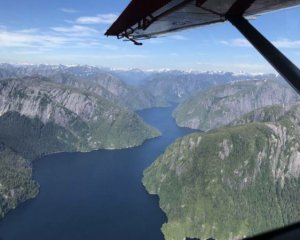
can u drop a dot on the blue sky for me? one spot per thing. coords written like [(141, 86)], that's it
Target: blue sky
[(71, 32)]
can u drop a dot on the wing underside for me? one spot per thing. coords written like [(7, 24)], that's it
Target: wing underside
[(153, 18)]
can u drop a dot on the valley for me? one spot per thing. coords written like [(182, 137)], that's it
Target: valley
[(40, 116), (242, 170), (99, 193)]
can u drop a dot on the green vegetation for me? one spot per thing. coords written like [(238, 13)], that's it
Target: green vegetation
[(31, 138), (16, 185), (266, 114), (230, 182), (120, 133)]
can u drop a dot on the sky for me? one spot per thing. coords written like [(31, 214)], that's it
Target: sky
[(72, 32)]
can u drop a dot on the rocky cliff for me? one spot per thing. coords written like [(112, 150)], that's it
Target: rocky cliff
[(99, 81), (177, 86), (83, 121), (223, 104)]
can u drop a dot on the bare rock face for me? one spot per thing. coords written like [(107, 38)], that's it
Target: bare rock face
[(178, 86), (221, 105), (34, 98), (96, 80), (90, 119)]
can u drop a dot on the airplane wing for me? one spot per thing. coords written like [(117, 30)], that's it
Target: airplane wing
[(144, 19), (151, 18)]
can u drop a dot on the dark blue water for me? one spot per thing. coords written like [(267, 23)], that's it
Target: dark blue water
[(97, 195)]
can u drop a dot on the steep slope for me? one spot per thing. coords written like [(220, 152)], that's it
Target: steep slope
[(77, 120), (71, 80), (177, 86), (231, 182), (221, 105), (132, 77), (266, 114), (16, 185), (97, 80), (136, 98)]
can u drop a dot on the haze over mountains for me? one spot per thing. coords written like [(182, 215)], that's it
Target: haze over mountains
[(94, 79), (177, 86), (153, 88)]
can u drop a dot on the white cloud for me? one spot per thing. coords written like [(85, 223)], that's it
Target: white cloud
[(286, 43), (178, 37), (21, 39), (31, 52), (99, 19), (155, 41), (76, 30), (282, 43), (60, 37), (238, 42), (32, 42), (68, 10), (29, 30), (110, 47), (69, 21)]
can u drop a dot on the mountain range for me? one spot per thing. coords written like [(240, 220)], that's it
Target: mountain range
[(140, 89), (97, 80), (236, 179)]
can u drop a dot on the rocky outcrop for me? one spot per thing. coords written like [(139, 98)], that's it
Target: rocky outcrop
[(135, 98), (99, 81), (93, 121), (221, 105)]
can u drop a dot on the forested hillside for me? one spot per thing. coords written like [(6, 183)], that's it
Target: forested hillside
[(233, 181)]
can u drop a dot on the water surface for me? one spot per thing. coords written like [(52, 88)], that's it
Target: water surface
[(97, 195)]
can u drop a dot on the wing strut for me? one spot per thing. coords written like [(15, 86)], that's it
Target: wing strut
[(280, 62)]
